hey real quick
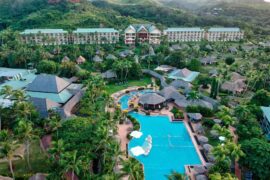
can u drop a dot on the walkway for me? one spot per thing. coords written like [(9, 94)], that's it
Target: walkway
[(123, 131), (157, 76)]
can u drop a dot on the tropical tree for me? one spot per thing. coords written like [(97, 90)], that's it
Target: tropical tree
[(25, 132), (132, 168), (225, 176), (193, 96), (70, 163), (7, 91), (7, 150), (176, 176)]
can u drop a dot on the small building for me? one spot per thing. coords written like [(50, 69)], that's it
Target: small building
[(80, 60), (65, 59), (224, 34), (195, 117), (184, 34), (164, 68), (142, 33), (152, 101), (235, 85), (265, 122), (126, 53), (208, 60), (97, 59), (213, 72), (180, 84), (111, 57), (183, 74), (45, 36), (109, 74), (232, 50), (95, 36)]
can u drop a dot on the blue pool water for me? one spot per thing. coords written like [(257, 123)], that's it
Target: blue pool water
[(125, 98), (172, 147)]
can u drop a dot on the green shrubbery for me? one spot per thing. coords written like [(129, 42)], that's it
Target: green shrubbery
[(178, 114), (206, 112)]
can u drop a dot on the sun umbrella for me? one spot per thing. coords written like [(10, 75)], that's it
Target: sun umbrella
[(207, 147), (203, 139), (137, 151), (136, 134), (222, 138), (199, 169), (201, 177)]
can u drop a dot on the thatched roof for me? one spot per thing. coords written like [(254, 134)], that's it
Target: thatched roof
[(109, 74), (65, 59), (97, 59), (181, 84), (170, 92), (151, 98), (203, 139), (195, 116), (207, 148), (111, 57), (80, 60)]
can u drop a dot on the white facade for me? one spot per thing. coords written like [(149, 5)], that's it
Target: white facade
[(224, 34), (184, 34), (45, 36), (142, 33), (95, 36)]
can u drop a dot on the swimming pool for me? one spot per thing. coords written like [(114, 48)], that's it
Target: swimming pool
[(172, 147), (125, 98)]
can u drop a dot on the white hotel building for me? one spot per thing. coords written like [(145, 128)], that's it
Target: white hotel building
[(45, 36), (184, 34), (95, 36), (224, 34)]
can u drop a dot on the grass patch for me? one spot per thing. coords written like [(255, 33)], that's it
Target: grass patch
[(113, 87), (38, 161)]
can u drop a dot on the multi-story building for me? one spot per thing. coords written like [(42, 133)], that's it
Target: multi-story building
[(224, 34), (184, 34), (142, 33), (45, 36), (95, 36)]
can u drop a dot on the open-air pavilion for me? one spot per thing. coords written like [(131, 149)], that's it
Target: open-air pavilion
[(152, 101)]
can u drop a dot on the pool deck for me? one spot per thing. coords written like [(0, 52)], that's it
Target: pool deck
[(124, 129)]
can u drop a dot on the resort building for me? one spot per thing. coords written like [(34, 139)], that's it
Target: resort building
[(265, 122), (183, 74), (184, 34), (224, 34), (49, 92), (152, 101), (95, 36), (142, 33), (46, 92), (45, 36)]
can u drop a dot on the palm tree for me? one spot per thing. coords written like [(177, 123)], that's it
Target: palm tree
[(70, 162), (235, 151), (7, 150), (132, 168), (176, 176), (57, 149), (25, 132), (24, 109), (7, 91), (193, 96)]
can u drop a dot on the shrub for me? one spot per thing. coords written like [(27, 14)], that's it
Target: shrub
[(208, 123), (136, 124), (206, 112), (177, 113)]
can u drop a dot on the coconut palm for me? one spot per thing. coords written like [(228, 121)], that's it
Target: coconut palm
[(7, 150), (24, 109), (25, 132), (193, 96), (132, 168), (176, 176), (235, 150), (58, 147), (70, 163), (7, 91)]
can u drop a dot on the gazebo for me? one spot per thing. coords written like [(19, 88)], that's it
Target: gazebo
[(152, 101)]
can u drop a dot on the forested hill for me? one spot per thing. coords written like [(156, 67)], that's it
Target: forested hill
[(22, 14)]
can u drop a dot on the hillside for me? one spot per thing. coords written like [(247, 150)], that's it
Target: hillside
[(39, 14)]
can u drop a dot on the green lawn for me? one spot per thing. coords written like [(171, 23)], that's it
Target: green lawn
[(113, 87), (38, 161)]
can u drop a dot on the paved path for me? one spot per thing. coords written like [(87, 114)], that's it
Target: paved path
[(123, 131), (156, 75)]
